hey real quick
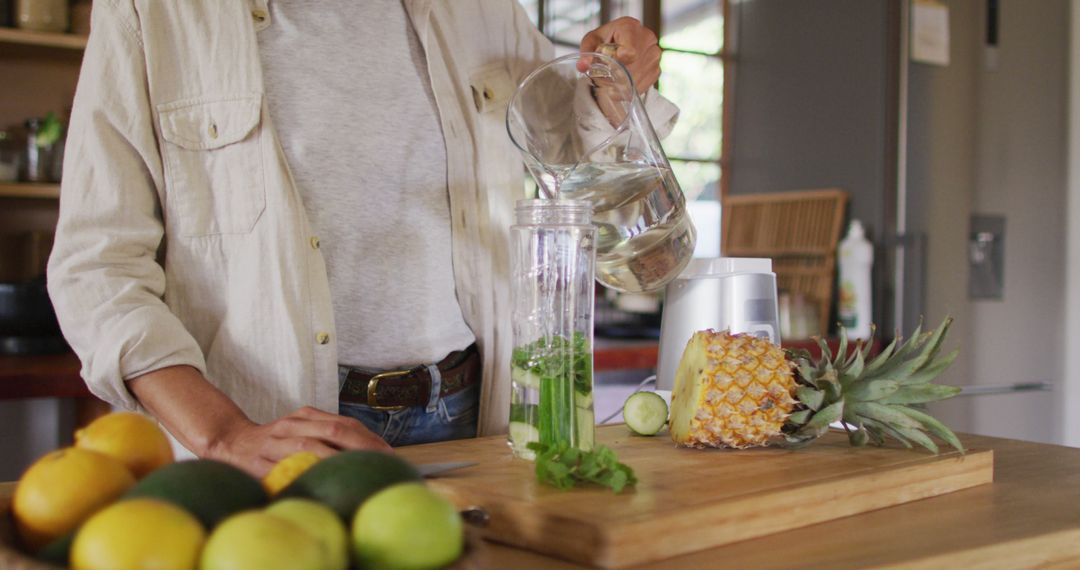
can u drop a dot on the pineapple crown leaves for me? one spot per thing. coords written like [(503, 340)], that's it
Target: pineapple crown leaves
[(874, 397)]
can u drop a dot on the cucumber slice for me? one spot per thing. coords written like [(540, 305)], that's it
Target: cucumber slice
[(645, 413), (521, 434), (583, 400), (586, 429), (526, 378), (524, 413)]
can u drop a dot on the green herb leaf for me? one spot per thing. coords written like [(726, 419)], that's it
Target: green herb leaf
[(564, 467), (50, 131)]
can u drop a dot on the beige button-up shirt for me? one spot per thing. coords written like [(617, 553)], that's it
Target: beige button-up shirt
[(182, 239)]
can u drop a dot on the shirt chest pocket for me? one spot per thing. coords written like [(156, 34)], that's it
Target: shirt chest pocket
[(213, 165), (492, 88)]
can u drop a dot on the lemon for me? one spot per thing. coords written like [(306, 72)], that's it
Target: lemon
[(322, 523), (259, 540), (62, 489), (138, 533), (287, 470), (134, 439)]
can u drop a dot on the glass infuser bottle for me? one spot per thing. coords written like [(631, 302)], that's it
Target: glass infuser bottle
[(553, 253)]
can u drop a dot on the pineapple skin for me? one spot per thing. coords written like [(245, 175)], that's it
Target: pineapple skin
[(730, 391)]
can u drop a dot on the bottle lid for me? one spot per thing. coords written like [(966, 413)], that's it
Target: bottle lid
[(562, 211), (855, 230)]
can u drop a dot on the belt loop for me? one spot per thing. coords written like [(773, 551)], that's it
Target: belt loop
[(342, 376), (436, 386)]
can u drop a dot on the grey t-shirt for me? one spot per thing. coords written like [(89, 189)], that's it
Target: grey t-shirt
[(348, 91)]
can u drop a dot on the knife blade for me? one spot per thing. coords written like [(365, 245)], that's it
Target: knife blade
[(434, 469)]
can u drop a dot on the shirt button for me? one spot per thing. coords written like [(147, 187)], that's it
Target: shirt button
[(322, 338), (314, 242), (259, 15)]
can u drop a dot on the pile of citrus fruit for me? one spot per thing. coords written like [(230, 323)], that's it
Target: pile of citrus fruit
[(116, 499)]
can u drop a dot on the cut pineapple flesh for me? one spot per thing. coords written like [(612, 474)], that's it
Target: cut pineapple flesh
[(730, 391)]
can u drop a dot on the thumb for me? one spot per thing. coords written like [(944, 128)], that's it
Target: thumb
[(590, 43)]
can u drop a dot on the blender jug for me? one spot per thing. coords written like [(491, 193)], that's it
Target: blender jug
[(585, 136)]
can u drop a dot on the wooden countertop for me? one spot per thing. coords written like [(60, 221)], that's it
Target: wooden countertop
[(41, 376), (1029, 517)]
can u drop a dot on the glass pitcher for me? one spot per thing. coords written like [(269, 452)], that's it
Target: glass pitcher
[(584, 134), (551, 369)]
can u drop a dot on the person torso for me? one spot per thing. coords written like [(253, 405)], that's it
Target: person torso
[(245, 278), (347, 88)]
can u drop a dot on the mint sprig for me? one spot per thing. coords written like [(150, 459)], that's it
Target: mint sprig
[(558, 357), (564, 467)]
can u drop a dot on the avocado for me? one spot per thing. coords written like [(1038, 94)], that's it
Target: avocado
[(345, 480), (57, 551), (210, 490)]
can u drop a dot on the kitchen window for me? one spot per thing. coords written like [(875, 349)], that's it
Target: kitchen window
[(696, 75)]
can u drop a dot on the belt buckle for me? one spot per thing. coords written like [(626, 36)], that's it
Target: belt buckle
[(373, 385)]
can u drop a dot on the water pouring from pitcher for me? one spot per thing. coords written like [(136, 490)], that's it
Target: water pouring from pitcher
[(585, 136)]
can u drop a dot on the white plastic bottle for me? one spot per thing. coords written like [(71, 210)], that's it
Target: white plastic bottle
[(856, 257)]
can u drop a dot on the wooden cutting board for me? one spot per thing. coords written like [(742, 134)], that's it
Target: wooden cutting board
[(688, 500)]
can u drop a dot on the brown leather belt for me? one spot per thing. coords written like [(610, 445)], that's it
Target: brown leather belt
[(399, 389)]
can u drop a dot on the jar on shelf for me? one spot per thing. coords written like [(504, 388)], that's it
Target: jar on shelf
[(44, 150), (10, 157), (42, 15), (553, 256), (5, 13)]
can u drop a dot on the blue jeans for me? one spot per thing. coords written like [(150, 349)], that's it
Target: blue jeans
[(452, 417)]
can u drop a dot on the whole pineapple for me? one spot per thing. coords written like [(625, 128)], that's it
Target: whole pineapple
[(730, 391), (739, 391)]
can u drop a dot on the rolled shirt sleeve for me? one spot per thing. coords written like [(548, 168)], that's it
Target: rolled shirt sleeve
[(104, 276), (663, 114)]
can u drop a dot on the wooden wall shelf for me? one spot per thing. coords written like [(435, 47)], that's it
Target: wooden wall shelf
[(43, 39), (27, 190)]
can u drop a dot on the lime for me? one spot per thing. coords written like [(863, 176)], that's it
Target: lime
[(322, 523), (407, 526), (257, 539)]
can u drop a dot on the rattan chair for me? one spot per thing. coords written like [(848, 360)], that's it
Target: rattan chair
[(799, 230)]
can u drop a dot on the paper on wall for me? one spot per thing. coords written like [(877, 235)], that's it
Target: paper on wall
[(930, 32)]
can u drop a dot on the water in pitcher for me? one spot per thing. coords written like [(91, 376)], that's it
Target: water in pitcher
[(644, 236)]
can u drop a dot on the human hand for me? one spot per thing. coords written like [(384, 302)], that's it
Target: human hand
[(256, 448), (638, 49)]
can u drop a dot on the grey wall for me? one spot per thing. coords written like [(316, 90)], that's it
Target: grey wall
[(992, 141), (1021, 174), (1069, 401), (811, 99), (812, 109), (941, 157), (815, 108)]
